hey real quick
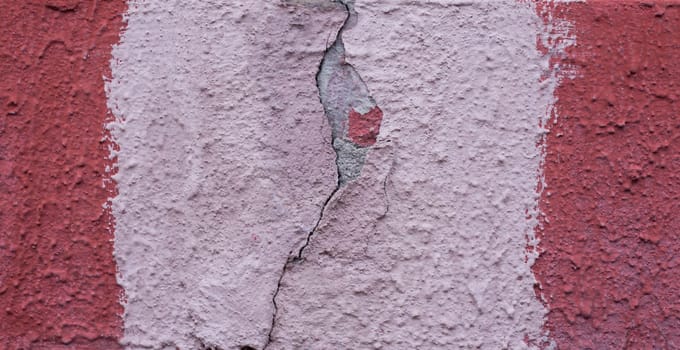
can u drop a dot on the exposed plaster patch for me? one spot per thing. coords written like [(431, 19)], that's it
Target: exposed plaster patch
[(355, 123), (352, 112)]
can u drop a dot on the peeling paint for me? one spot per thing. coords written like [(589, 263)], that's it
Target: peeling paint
[(426, 247), (261, 200), (346, 98)]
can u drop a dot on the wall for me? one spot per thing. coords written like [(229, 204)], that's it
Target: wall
[(310, 174)]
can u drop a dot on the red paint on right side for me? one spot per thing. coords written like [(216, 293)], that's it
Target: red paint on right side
[(609, 268)]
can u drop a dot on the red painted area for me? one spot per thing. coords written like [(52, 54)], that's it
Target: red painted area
[(364, 128), (610, 242), (57, 273)]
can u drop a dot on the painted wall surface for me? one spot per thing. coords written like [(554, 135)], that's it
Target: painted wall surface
[(427, 248), (57, 273), (610, 230), (318, 174)]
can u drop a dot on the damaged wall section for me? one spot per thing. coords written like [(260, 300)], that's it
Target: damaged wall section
[(225, 162), (426, 247), (351, 111)]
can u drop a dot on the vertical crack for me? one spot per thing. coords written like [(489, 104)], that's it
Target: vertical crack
[(352, 112), (292, 258), (276, 306), (355, 121)]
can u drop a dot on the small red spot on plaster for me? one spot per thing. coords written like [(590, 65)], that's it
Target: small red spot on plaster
[(364, 128)]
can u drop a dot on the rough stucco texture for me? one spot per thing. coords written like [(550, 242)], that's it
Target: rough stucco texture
[(58, 285), (426, 249), (225, 162), (287, 176), (609, 261)]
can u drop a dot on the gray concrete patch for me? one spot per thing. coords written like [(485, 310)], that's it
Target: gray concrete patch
[(341, 90)]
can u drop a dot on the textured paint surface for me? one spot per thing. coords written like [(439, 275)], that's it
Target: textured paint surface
[(244, 128), (609, 261), (225, 162), (58, 287), (426, 249)]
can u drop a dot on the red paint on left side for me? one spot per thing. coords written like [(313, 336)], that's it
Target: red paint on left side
[(58, 284), (364, 128)]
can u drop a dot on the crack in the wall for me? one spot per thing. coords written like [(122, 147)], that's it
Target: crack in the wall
[(298, 257), (352, 112), (276, 306), (386, 197), (292, 258), (355, 120)]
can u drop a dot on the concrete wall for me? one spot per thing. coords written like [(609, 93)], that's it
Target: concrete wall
[(317, 174)]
